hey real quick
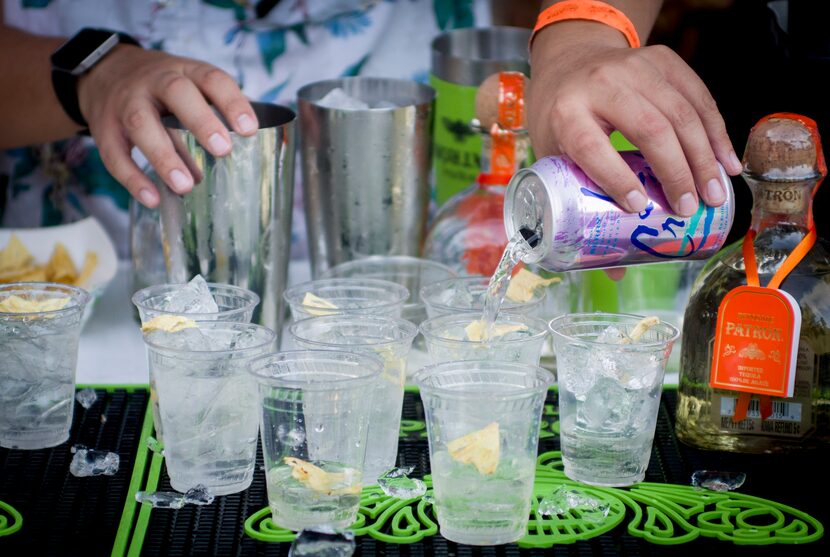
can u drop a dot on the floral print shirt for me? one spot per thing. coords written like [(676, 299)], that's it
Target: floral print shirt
[(271, 47)]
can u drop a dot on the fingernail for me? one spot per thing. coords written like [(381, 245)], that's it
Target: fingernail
[(735, 162), (687, 205), (146, 198), (181, 181), (715, 192), (245, 124), (636, 201), (218, 144)]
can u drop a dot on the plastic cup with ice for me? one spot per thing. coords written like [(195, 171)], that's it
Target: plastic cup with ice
[(512, 338), (610, 369), (483, 422), (314, 408), (388, 338), (40, 326), (199, 301), (207, 400), (355, 295)]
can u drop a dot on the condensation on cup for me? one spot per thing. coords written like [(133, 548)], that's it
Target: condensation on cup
[(569, 223)]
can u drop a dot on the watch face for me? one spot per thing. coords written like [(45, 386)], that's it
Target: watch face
[(84, 49)]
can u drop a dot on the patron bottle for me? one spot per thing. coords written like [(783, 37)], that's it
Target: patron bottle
[(755, 365)]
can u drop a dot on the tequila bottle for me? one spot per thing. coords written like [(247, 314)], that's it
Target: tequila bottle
[(467, 233), (783, 165)]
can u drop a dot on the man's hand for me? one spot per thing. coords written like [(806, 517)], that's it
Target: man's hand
[(587, 82)]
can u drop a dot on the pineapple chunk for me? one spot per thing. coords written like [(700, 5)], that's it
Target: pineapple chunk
[(16, 304), (311, 301), (480, 448), (641, 328), (317, 479), (168, 324), (523, 283), (477, 330)]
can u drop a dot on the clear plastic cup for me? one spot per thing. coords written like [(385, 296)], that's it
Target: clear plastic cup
[(37, 367), (463, 294), (207, 402), (349, 295), (390, 339), (483, 422), (235, 303), (447, 340), (609, 395), (314, 411), (411, 272)]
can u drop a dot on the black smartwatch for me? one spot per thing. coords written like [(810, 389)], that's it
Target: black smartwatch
[(77, 56)]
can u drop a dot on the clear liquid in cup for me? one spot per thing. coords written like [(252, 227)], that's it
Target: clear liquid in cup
[(37, 383), (482, 510), (294, 505)]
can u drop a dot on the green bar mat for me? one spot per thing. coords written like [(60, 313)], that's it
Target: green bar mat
[(649, 519), (63, 515)]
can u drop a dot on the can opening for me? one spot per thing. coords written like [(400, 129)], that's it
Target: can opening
[(530, 236)]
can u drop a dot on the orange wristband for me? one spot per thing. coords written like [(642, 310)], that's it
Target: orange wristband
[(591, 10)]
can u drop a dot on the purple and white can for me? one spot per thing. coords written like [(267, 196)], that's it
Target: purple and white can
[(570, 224)]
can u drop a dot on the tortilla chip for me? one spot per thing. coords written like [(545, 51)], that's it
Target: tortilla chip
[(90, 262), (14, 257), (60, 267)]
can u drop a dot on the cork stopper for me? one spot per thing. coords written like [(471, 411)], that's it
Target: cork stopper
[(487, 101), (784, 147)]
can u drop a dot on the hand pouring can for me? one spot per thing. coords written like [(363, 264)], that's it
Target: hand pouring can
[(570, 224)]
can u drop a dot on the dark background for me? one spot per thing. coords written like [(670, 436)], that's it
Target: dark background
[(751, 66)]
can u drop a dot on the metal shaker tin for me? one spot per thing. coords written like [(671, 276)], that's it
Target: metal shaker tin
[(570, 224)]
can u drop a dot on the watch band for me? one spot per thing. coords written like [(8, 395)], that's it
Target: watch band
[(65, 85)]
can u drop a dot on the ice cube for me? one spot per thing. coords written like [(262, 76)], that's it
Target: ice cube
[(199, 495), (566, 499), (339, 99), (194, 297), (92, 462), (717, 480), (611, 335), (86, 397), (161, 499), (322, 542), (294, 438), (396, 483)]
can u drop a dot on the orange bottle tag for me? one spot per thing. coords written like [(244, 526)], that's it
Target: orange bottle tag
[(756, 341)]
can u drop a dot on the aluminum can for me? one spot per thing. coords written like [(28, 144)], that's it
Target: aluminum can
[(570, 224)]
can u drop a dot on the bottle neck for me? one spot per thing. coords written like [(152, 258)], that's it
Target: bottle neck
[(781, 203), (502, 155)]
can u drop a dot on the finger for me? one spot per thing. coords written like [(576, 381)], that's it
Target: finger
[(182, 98), (583, 140), (226, 96), (115, 154), (689, 84), (695, 143), (652, 132), (145, 131), (615, 273)]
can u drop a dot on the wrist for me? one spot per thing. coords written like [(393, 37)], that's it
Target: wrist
[(96, 77), (564, 37)]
